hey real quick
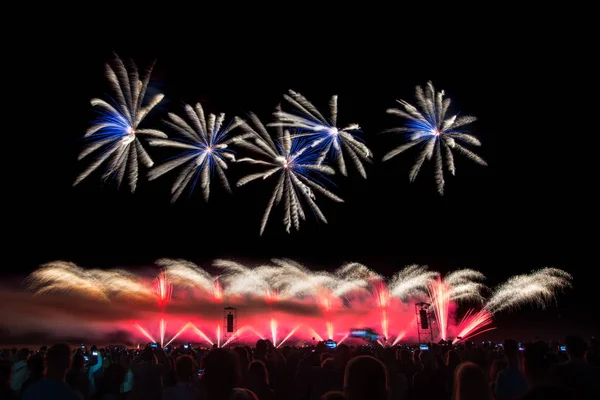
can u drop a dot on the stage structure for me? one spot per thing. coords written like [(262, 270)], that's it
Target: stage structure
[(229, 323), (424, 328)]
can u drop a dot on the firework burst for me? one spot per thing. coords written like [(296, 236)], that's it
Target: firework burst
[(204, 150), (183, 273), (67, 277), (117, 129), (293, 165), (291, 279), (473, 324), (324, 133), (437, 133), (412, 281), (464, 285), (242, 280), (537, 288), (461, 285)]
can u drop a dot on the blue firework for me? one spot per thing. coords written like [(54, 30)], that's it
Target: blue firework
[(435, 132), (294, 164), (324, 134), (204, 145), (113, 137)]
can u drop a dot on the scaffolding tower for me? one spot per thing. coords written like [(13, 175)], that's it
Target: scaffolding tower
[(229, 323), (424, 328)]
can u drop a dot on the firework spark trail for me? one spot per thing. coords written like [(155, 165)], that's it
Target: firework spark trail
[(242, 280), (164, 288), (353, 277), (201, 334), (145, 333), (464, 286), (385, 324), (460, 285), (183, 273), (382, 297), (114, 136), (537, 288), (436, 133), (288, 336), (333, 293), (411, 282), (473, 323), (203, 143), (294, 165), (329, 325), (163, 330), (330, 140), (315, 334), (218, 290), (291, 279), (61, 276), (179, 333), (343, 338), (440, 300), (399, 338), (239, 332), (274, 331)]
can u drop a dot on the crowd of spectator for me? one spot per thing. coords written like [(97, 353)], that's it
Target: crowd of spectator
[(486, 371)]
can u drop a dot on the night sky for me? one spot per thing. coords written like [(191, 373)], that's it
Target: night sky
[(527, 210)]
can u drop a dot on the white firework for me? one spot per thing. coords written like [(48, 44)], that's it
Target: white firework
[(537, 288), (412, 281), (184, 273), (116, 131), (204, 150), (242, 280), (293, 165), (291, 279), (324, 133), (464, 286), (352, 277), (67, 277), (437, 133)]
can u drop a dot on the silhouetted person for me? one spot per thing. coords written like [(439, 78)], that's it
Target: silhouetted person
[(244, 358), (36, 365), (110, 388), (260, 352), (497, 365), (20, 373), (5, 375), (452, 362), (333, 396), (397, 382), (576, 374), (511, 382), (406, 365), (592, 353), (366, 379), (53, 386), (470, 383), (77, 378), (537, 361), (242, 394), (221, 373), (148, 373), (258, 381), (429, 382), (185, 371)]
